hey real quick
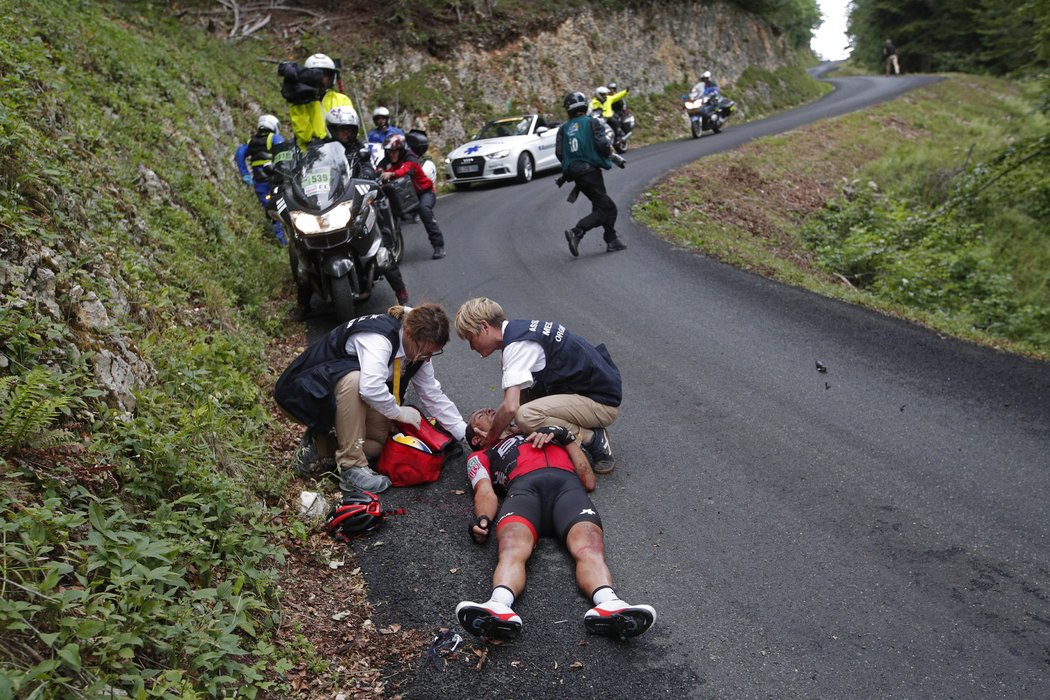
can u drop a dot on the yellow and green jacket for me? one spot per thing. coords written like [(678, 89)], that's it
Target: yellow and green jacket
[(606, 107), (308, 119)]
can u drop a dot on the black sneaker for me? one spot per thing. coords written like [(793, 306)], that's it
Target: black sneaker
[(305, 459), (574, 242), (439, 252), (615, 245), (600, 452)]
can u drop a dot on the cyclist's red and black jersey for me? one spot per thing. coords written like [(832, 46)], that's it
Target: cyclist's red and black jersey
[(513, 457), (541, 487)]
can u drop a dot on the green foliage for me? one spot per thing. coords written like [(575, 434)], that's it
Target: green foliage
[(160, 580), (995, 36), (795, 18), (30, 407), (952, 230), (759, 92), (95, 597), (932, 254)]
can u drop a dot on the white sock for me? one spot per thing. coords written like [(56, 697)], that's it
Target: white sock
[(502, 594), (602, 594)]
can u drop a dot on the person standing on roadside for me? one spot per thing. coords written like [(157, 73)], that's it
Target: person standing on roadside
[(582, 145), (889, 55), (253, 160), (551, 376), (401, 161)]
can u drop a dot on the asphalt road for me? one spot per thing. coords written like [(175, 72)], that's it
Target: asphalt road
[(878, 530)]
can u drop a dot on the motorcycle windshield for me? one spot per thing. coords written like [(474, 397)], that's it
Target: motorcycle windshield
[(322, 178)]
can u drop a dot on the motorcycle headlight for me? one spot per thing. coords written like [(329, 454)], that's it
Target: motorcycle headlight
[(693, 104), (498, 154), (337, 218)]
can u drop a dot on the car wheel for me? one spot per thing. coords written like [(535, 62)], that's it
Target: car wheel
[(526, 167)]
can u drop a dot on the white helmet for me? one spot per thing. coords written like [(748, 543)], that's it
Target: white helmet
[(380, 112), (268, 121), (602, 91), (319, 60), (706, 75), (342, 116)]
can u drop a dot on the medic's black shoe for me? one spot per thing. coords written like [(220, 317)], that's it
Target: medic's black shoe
[(600, 452), (618, 619), (489, 619)]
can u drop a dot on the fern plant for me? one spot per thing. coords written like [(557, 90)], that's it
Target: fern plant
[(29, 407)]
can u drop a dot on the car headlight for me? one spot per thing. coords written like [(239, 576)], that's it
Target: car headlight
[(337, 218), (498, 154)]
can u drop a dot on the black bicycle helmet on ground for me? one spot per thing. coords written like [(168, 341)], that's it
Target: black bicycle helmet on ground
[(356, 514)]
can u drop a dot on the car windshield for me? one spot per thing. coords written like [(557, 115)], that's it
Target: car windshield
[(511, 126), (322, 177)]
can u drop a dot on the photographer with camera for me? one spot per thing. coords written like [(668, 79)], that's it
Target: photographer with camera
[(584, 149), (310, 93)]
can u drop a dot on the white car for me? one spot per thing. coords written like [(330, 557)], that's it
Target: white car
[(511, 147)]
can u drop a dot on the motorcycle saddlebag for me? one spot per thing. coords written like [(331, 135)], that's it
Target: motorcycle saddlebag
[(414, 456), (402, 196)]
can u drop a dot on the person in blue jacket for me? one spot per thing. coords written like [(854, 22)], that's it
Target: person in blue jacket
[(706, 85), (252, 158), (551, 376), (381, 118)]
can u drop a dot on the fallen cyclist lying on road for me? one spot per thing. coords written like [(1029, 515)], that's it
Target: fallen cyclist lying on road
[(544, 477)]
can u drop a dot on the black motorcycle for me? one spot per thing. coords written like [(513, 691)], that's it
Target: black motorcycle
[(335, 242)]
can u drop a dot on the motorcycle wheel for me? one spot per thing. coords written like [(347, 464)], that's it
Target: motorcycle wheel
[(697, 129), (398, 249), (343, 298), (526, 167), (716, 126), (620, 146)]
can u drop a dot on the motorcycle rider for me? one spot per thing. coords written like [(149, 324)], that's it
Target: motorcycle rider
[(381, 118), (603, 100), (584, 151), (706, 86), (619, 110), (308, 119), (400, 161), (253, 157), (344, 125)]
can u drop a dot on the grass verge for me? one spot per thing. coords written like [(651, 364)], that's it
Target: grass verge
[(932, 207)]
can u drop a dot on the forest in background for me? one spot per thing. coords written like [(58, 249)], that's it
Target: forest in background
[(1000, 37)]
